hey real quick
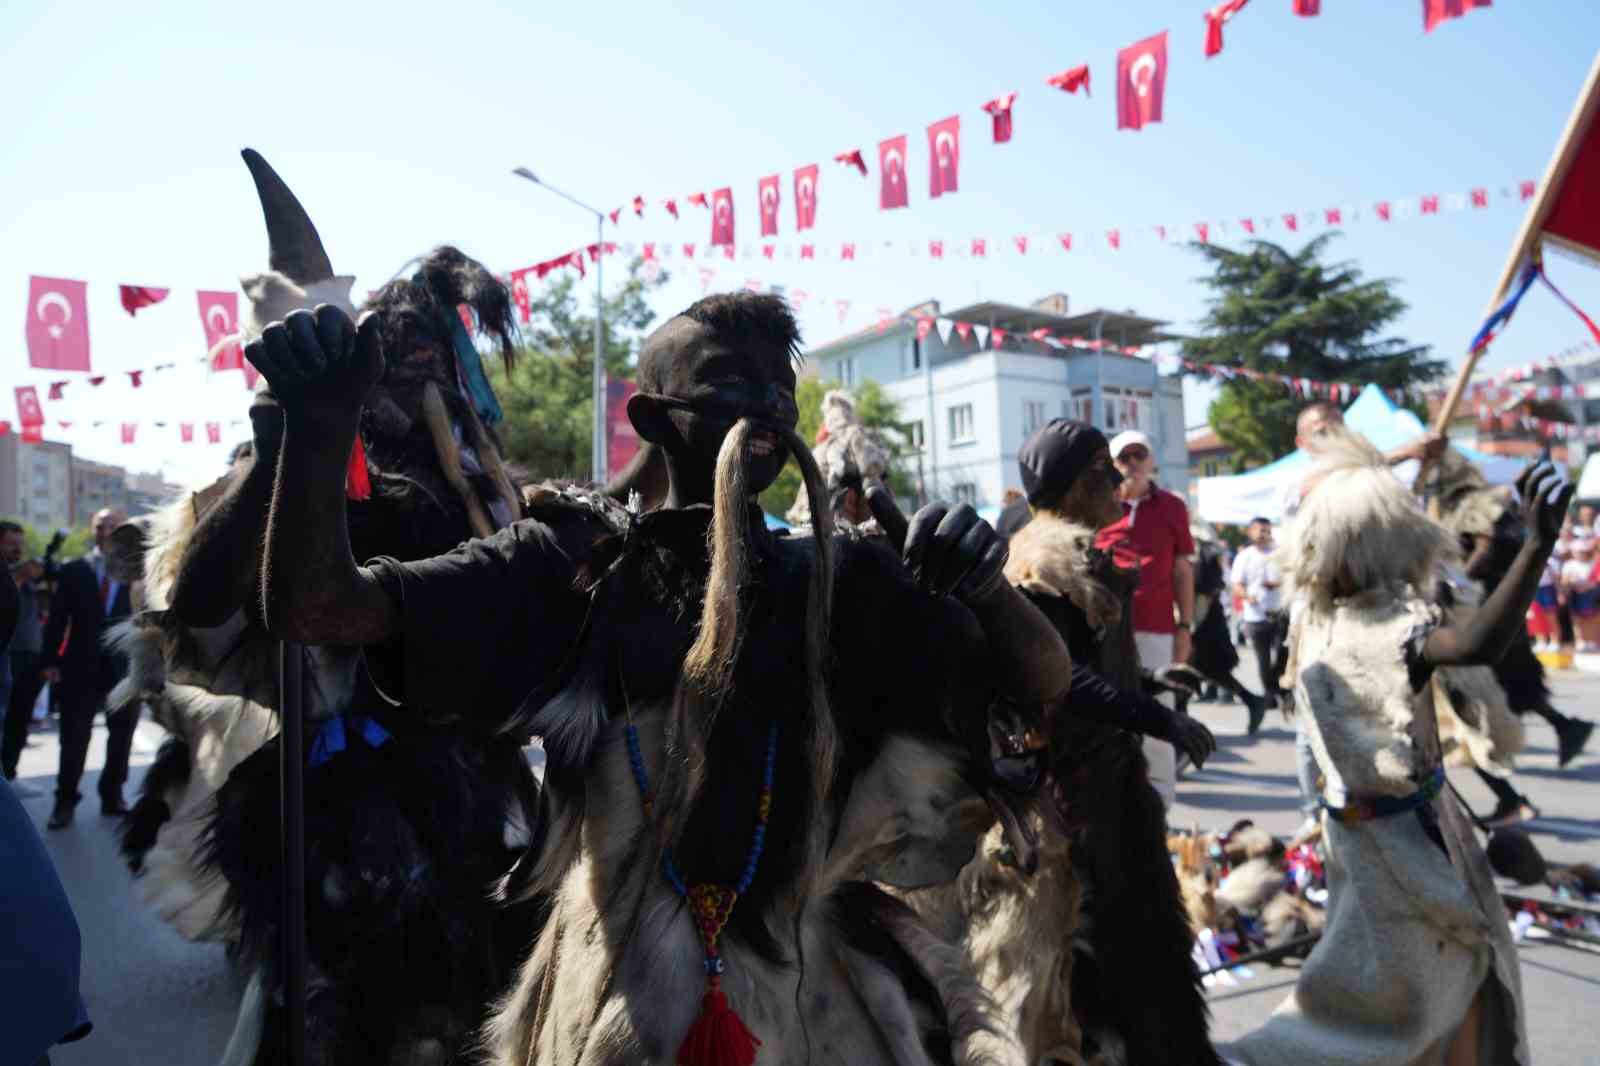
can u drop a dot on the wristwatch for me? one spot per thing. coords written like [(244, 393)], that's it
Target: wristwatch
[(1187, 627)]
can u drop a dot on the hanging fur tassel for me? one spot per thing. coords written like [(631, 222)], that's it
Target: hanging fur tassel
[(357, 482), (719, 1036)]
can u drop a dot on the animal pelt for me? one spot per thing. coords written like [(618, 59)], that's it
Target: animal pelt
[(848, 455), (1468, 505), (1053, 556), (396, 874)]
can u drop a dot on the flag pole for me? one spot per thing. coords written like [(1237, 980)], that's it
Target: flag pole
[(1528, 235)]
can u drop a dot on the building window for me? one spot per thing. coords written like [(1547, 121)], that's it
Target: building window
[(1032, 416), (915, 435), (1081, 407), (961, 428), (916, 355), (1129, 409), (965, 492), (847, 371)]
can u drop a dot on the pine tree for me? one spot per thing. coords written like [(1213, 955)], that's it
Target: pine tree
[(1291, 313)]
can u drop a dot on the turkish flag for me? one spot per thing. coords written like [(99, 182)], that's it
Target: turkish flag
[(186, 432), (1068, 81), (135, 297), (128, 430), (1141, 80), (58, 324), (1214, 20), (1307, 8), (722, 217), (892, 190), (219, 317), (767, 196), (29, 413), (944, 155), (213, 432), (852, 158), (805, 196), (1437, 11), (1000, 108), (519, 294)]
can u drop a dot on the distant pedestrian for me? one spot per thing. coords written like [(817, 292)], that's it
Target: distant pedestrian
[(26, 644), (88, 600), (1255, 580)]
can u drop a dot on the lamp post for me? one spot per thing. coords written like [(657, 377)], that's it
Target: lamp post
[(599, 389)]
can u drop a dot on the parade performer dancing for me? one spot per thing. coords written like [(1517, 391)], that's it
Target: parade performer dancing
[(715, 796), (1089, 957), (409, 826), (1417, 965), (851, 459)]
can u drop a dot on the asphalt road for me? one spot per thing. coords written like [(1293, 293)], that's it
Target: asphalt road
[(155, 998)]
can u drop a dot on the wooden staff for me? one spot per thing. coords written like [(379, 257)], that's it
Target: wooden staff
[(1529, 235)]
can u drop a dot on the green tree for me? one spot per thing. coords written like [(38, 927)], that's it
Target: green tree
[(36, 538), (1291, 313), (876, 409), (547, 400)]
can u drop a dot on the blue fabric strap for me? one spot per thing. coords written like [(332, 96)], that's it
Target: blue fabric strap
[(1385, 806), (471, 366), (331, 739)]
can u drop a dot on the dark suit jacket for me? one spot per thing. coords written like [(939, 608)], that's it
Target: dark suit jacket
[(77, 601)]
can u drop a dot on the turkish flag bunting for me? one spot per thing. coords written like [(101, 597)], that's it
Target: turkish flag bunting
[(672, 208), (1384, 211), (698, 199), (1000, 108), (892, 190), (722, 217), (29, 413), (1070, 80), (615, 215), (128, 431), (1066, 241), (219, 316), (519, 294), (852, 158), (638, 206), (924, 327), (33, 434), (186, 432), (964, 329), (1141, 82), (136, 296), (55, 389), (1437, 11), (944, 156), (767, 195), (58, 324), (998, 334), (214, 432), (1203, 231), (1114, 238), (805, 196), (1307, 8), (137, 377), (1214, 20)]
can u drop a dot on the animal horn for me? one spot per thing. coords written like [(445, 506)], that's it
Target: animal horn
[(293, 247)]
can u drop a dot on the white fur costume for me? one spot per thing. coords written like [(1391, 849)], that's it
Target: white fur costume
[(1415, 932)]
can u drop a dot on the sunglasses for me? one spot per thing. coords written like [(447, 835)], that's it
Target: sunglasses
[(1134, 455)]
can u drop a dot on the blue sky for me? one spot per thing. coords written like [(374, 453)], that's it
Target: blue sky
[(398, 130)]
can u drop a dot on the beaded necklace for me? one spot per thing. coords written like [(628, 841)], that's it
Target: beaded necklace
[(719, 1036)]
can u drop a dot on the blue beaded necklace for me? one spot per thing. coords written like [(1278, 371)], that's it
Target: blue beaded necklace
[(719, 1035)]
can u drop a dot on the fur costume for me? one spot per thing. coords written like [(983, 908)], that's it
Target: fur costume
[(821, 965), (1088, 959), (847, 453), (407, 828), (1416, 929)]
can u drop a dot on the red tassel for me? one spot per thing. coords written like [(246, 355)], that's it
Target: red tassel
[(357, 483), (718, 1037)]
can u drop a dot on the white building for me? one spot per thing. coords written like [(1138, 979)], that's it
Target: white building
[(968, 407)]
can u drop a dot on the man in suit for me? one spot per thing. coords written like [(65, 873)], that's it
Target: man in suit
[(88, 601)]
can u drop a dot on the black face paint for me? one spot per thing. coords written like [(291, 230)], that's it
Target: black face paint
[(730, 401)]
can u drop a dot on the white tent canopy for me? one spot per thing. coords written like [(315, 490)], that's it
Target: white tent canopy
[(1259, 494)]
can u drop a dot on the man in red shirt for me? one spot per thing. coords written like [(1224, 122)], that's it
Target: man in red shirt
[(1155, 530)]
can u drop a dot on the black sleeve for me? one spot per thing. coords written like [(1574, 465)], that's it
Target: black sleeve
[(1098, 700), (481, 626)]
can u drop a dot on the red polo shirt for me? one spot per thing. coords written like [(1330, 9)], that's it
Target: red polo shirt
[(1155, 530)]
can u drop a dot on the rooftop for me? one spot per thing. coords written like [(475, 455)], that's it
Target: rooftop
[(1126, 328)]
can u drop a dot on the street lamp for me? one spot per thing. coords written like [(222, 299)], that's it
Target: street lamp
[(599, 390)]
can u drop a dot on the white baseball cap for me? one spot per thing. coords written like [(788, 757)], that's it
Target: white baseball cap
[(1127, 438)]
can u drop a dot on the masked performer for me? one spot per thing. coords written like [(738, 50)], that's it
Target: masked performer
[(1089, 957), (717, 793), (409, 825), (1417, 965), (851, 457)]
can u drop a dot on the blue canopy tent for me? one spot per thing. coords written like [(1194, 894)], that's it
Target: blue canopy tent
[(1237, 499)]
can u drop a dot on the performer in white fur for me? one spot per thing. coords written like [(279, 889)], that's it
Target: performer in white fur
[(1417, 966)]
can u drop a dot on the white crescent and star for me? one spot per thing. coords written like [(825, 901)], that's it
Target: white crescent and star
[(893, 163), (944, 144), (53, 299), (217, 318), (806, 185), (1145, 65), (769, 198)]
